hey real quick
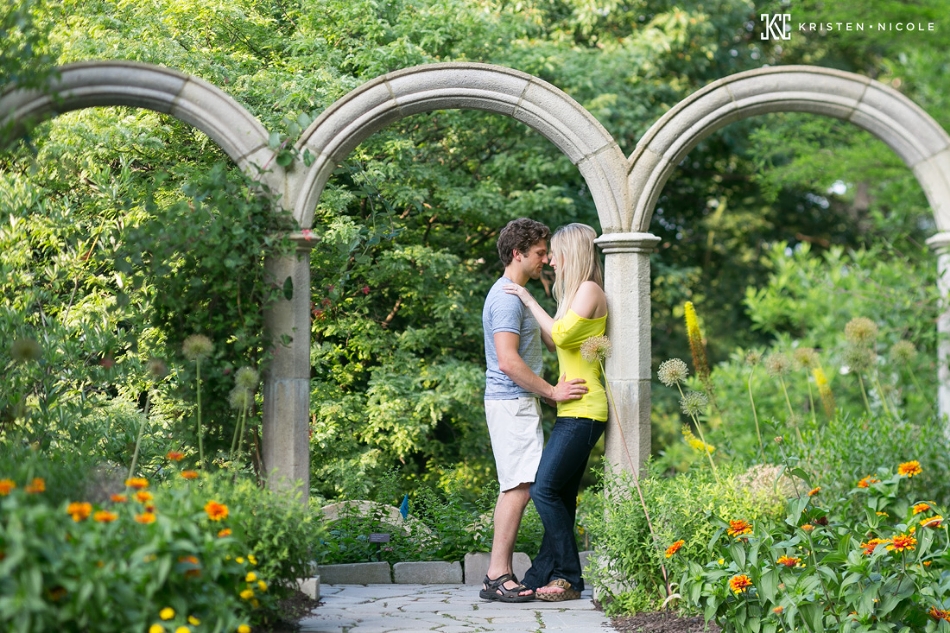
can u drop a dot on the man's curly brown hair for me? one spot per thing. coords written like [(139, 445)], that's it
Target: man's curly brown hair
[(520, 235)]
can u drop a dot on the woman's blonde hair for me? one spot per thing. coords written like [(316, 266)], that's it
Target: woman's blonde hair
[(577, 261)]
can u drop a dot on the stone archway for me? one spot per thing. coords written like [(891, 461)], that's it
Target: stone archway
[(907, 129), (624, 190)]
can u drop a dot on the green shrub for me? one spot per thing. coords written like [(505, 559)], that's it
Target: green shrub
[(118, 567), (627, 564), (823, 569)]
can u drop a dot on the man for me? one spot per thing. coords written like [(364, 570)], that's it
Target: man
[(512, 386)]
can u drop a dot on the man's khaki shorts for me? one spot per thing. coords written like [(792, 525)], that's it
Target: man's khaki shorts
[(516, 439)]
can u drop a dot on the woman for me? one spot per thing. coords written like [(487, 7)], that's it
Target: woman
[(582, 312)]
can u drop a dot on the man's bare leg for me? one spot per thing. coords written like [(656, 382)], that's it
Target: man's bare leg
[(508, 512)]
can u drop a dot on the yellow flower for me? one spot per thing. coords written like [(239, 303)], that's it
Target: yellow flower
[(167, 613), (902, 542), (778, 610), (808, 527), (933, 522), (138, 483), (183, 629), (193, 620), (700, 364), (240, 560), (247, 594), (262, 585), (251, 559), (216, 511), (695, 443), (36, 486), (909, 469), (921, 507), (6, 485), (740, 583), (739, 528), (156, 628), (104, 516), (251, 577), (79, 510), (244, 629), (867, 481), (788, 561), (814, 491), (827, 398), (145, 518)]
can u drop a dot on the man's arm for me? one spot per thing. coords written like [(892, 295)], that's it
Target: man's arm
[(513, 366)]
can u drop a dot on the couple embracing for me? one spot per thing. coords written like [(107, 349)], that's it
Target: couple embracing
[(516, 327)]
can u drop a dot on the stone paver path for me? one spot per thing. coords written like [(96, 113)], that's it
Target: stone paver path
[(444, 608)]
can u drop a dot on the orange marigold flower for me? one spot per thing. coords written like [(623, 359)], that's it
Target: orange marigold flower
[(867, 481), (738, 528), (675, 547), (104, 516), (119, 498), (36, 486), (6, 485), (909, 469), (788, 561), (143, 495), (225, 532), (902, 542), (79, 510), (921, 507), (933, 522), (175, 456), (138, 483), (145, 518), (739, 584), (778, 610), (814, 491), (189, 474), (808, 527), (939, 614), (872, 544), (216, 511)]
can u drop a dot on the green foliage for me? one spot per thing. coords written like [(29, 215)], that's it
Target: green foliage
[(274, 527), (73, 568), (627, 567), (883, 569)]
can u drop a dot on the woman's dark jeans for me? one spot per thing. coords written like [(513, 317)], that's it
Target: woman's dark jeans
[(554, 493)]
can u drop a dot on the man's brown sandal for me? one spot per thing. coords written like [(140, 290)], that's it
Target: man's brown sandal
[(496, 590), (568, 593)]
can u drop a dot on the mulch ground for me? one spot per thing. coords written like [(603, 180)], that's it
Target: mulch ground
[(292, 610), (662, 622)]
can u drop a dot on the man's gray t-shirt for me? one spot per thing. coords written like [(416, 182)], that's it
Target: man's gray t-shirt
[(505, 313)]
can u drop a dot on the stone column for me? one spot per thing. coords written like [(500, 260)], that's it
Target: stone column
[(286, 437), (940, 243), (627, 284)]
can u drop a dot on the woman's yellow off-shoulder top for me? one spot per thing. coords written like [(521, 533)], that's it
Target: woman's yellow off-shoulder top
[(568, 334)]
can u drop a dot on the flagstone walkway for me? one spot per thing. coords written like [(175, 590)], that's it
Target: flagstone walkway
[(446, 609)]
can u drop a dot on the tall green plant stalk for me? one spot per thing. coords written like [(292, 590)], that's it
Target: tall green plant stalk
[(755, 414), (196, 347), (880, 390), (598, 348), (636, 482), (138, 440), (699, 428), (201, 449)]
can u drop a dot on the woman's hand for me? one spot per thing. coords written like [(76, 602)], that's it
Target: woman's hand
[(521, 291)]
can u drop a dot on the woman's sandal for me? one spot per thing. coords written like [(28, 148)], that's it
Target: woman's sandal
[(496, 590), (568, 593)]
